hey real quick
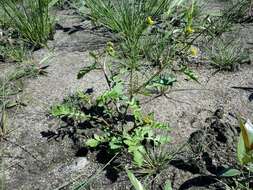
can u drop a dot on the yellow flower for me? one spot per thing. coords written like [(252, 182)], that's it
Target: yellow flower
[(194, 51), (189, 30), (110, 44), (147, 119), (110, 49), (150, 21)]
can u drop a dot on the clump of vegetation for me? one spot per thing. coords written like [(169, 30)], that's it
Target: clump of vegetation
[(226, 55), (240, 11), (31, 19), (12, 52), (119, 123), (11, 48), (235, 11)]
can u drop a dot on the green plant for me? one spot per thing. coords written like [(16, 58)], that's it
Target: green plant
[(235, 11), (31, 19), (143, 45), (240, 10), (7, 90), (115, 131), (4, 21), (155, 159), (11, 48), (128, 18), (121, 126), (225, 55)]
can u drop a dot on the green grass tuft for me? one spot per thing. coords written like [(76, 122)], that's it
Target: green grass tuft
[(31, 19)]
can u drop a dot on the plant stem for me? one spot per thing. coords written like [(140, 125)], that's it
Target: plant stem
[(93, 176)]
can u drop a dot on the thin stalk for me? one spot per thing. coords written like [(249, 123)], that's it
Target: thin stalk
[(84, 184), (131, 82), (2, 174), (3, 111), (105, 74), (109, 83)]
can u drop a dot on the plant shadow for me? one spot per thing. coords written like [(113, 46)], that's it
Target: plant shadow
[(201, 181), (78, 132)]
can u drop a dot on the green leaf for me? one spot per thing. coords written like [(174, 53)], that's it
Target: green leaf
[(164, 80), (168, 185), (243, 156), (66, 110), (250, 167), (162, 139), (11, 104), (115, 93), (241, 151), (138, 157), (135, 182), (158, 125), (136, 110), (130, 142), (84, 97), (230, 173), (115, 143), (190, 73), (85, 71), (93, 143), (60, 110)]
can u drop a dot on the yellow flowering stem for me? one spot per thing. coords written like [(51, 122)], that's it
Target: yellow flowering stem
[(150, 21)]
